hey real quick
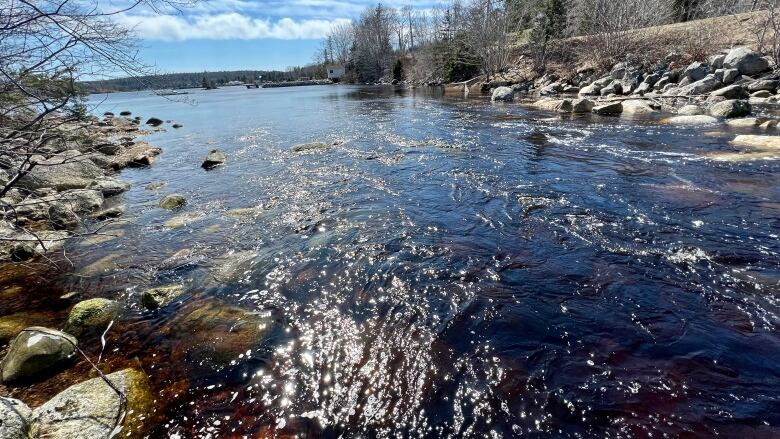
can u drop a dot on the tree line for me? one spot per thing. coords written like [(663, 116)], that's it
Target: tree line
[(466, 38)]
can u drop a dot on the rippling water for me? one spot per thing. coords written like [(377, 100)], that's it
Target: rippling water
[(452, 268)]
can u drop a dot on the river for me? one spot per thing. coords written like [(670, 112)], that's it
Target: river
[(449, 268)]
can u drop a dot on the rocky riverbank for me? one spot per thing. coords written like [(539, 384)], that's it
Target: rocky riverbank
[(72, 188), (722, 90)]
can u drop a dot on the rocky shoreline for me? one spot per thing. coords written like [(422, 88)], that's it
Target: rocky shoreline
[(723, 89)]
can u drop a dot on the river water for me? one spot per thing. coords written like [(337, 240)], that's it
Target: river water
[(451, 268)]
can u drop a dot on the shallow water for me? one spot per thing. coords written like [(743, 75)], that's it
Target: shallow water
[(452, 268)]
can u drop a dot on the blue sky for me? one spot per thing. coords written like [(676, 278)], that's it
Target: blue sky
[(242, 34)]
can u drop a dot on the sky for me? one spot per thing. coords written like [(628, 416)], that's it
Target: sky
[(241, 34)]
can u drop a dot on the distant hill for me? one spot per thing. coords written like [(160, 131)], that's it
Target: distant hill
[(186, 80)]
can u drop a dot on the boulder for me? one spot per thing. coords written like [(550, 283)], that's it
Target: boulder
[(582, 106), (637, 106), (551, 89), (716, 61), (590, 90), (139, 155), (62, 217), (108, 148), (611, 108), (691, 120), (79, 200), (731, 92), (14, 419), (504, 94), (619, 70), (161, 297), (173, 201), (769, 125), (153, 121), (109, 186), (764, 84), (690, 110), (177, 125), (766, 143), (561, 105), (90, 409), (696, 71), (663, 82), (91, 316), (729, 75), (67, 170), (34, 351), (219, 333), (703, 86), (125, 113), (615, 87), (214, 158), (730, 108), (746, 61)]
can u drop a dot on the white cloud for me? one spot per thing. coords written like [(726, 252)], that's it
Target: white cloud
[(226, 26)]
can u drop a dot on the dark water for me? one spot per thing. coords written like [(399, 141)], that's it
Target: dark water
[(453, 268)]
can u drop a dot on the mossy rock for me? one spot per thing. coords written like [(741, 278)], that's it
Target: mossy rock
[(173, 201), (91, 315), (160, 297)]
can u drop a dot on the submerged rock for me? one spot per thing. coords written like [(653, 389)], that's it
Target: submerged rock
[(173, 201), (34, 351), (15, 419), (11, 325), (91, 315), (214, 158), (218, 333), (89, 410), (305, 147), (161, 297), (183, 220)]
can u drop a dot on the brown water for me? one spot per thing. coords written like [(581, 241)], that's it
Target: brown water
[(453, 268)]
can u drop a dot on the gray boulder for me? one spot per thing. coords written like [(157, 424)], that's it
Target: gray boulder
[(214, 158), (611, 108), (109, 186), (746, 61), (503, 94), (726, 76), (590, 90), (731, 92), (703, 86), (62, 217), (637, 106), (716, 61), (89, 410), (615, 87), (36, 350), (68, 170), (730, 108), (582, 106), (763, 85), (696, 71), (14, 419)]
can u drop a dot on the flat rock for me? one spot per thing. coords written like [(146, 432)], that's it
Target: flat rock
[(89, 410), (637, 106), (67, 170), (747, 122), (767, 143), (160, 297), (611, 108), (690, 110), (34, 351), (109, 186), (690, 120)]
